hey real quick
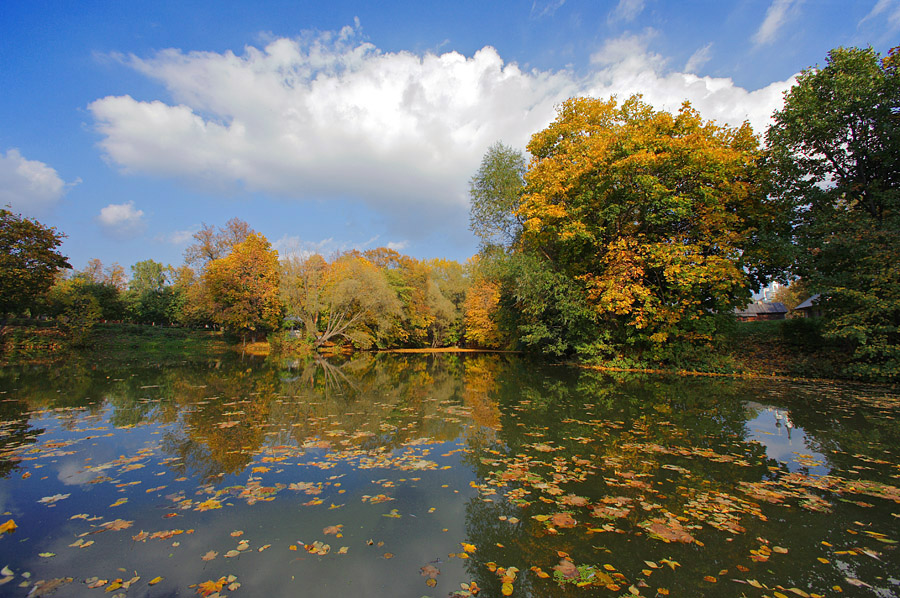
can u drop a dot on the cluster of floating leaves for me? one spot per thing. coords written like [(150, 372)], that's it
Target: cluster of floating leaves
[(648, 489)]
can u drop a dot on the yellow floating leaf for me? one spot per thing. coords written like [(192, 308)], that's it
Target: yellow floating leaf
[(506, 589), (710, 579), (154, 581), (8, 527), (119, 502), (467, 547)]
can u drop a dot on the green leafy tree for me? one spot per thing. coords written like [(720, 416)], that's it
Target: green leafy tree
[(661, 219), (242, 288), (494, 192), (150, 298), (835, 152), (149, 275), (29, 261)]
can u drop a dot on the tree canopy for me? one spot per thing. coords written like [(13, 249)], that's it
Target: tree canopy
[(242, 287), (835, 152), (662, 218), (494, 194), (29, 261)]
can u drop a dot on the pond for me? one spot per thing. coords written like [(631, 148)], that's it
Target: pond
[(437, 475)]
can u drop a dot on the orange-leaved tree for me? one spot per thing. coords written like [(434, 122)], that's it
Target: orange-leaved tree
[(662, 218), (242, 287)]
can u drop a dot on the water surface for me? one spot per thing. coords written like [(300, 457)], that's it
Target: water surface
[(420, 475)]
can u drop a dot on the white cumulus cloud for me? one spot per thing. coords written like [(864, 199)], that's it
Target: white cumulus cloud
[(29, 186), (329, 116), (121, 219)]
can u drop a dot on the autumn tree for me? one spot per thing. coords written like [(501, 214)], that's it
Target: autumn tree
[(242, 287), (835, 152), (481, 308), (29, 261), (303, 286), (494, 194), (210, 244), (662, 220)]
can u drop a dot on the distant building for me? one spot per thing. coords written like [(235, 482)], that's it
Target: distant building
[(759, 310), (809, 308)]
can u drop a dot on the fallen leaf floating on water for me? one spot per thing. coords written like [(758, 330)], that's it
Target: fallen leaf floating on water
[(210, 555), (430, 572), (8, 527), (333, 530), (154, 581), (564, 520), (49, 500), (210, 587), (668, 531), (114, 525), (45, 588), (567, 569), (857, 582)]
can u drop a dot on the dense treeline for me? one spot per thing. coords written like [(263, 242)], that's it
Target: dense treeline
[(232, 279), (628, 238)]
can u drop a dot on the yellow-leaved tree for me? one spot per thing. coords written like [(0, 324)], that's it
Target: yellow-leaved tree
[(662, 218), (242, 288)]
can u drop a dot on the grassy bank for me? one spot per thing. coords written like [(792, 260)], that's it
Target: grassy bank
[(113, 344)]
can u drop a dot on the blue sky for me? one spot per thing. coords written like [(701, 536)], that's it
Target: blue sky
[(341, 125)]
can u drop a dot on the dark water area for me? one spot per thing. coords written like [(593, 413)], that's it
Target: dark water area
[(437, 475)]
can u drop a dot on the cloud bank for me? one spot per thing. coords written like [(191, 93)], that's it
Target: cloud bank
[(332, 116), (28, 186)]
